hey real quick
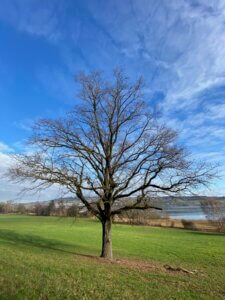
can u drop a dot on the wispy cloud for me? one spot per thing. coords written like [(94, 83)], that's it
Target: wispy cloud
[(4, 148), (12, 191), (179, 44), (25, 124), (216, 112), (35, 17), (57, 83)]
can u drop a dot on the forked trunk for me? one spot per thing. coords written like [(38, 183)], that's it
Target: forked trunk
[(107, 239)]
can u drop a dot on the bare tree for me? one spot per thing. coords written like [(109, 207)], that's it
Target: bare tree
[(50, 210), (72, 211), (61, 207), (20, 208), (109, 148), (214, 210), (40, 209), (7, 207)]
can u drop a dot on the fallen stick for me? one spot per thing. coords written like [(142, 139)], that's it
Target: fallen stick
[(178, 269)]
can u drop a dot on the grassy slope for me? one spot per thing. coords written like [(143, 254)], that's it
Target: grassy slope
[(38, 260)]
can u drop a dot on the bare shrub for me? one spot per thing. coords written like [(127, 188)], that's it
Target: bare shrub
[(214, 210)]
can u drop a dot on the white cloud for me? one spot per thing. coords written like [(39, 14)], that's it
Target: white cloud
[(4, 148), (179, 45), (33, 17), (12, 191), (25, 124), (216, 112), (182, 42)]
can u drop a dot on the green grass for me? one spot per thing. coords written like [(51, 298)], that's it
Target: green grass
[(44, 258)]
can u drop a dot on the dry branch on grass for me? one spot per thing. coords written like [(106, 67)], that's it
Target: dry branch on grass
[(179, 269)]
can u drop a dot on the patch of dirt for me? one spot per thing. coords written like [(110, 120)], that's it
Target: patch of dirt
[(139, 265), (144, 266)]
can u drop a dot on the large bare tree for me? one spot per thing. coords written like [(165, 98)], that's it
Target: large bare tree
[(108, 149)]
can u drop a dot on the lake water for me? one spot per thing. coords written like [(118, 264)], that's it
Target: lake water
[(189, 213)]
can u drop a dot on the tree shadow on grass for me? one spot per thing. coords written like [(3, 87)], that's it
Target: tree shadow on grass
[(16, 238)]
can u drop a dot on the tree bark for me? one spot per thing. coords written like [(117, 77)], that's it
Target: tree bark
[(107, 239)]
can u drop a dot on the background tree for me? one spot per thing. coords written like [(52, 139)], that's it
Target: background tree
[(72, 211), (61, 207), (7, 207), (110, 147), (51, 208), (20, 208), (40, 209), (214, 210)]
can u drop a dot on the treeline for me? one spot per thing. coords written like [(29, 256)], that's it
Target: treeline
[(62, 208), (56, 208), (10, 207), (52, 208), (137, 217)]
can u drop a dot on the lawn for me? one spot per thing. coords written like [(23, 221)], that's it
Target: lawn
[(54, 258)]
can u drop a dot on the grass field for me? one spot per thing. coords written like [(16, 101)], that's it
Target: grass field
[(51, 258)]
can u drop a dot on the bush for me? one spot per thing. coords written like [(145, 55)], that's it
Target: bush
[(139, 216), (73, 211)]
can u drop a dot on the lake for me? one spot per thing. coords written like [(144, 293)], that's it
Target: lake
[(186, 212)]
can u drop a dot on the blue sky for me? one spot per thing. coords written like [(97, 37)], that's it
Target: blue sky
[(178, 46)]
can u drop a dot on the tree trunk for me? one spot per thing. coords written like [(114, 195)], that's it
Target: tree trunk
[(107, 239)]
